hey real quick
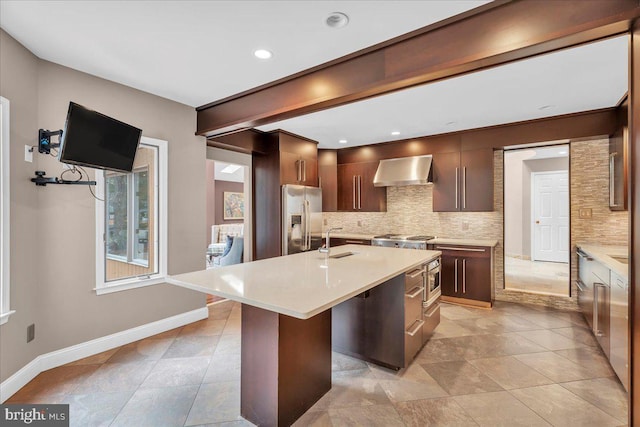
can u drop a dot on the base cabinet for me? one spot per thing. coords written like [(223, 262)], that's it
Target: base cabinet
[(383, 325), (466, 273)]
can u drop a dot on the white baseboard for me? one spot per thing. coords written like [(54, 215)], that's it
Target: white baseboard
[(79, 351)]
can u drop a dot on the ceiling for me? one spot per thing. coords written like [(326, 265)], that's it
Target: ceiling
[(195, 52), (584, 78), (235, 176)]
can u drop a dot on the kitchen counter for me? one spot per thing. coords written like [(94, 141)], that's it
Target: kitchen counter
[(305, 284), (351, 236), (464, 242), (286, 321), (603, 254)]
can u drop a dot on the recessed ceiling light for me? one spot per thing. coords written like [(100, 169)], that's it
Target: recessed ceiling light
[(262, 54), (337, 20), (395, 132), (562, 152), (230, 168), (343, 141), (546, 107)]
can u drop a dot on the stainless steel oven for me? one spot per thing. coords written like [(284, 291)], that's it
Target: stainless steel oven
[(432, 285)]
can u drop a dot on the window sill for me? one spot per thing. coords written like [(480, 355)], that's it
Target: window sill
[(129, 284), (4, 317)]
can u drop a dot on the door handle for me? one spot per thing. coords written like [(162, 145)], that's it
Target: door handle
[(464, 187), (596, 309), (612, 179), (457, 181), (353, 191), (464, 276), (455, 268), (359, 191), (304, 170)]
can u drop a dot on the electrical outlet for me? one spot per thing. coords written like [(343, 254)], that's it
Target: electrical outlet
[(586, 213), (465, 225), (359, 223), (31, 332), (28, 153), (325, 222)]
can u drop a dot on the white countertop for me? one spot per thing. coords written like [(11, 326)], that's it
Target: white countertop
[(305, 284), (464, 242), (603, 253)]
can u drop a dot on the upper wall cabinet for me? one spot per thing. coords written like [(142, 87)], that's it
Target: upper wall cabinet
[(356, 192), (298, 160), (618, 145), (463, 181), (328, 179)]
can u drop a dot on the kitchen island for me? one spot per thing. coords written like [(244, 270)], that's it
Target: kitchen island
[(286, 321)]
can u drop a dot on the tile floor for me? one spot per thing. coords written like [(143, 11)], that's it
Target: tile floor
[(550, 278), (510, 366)]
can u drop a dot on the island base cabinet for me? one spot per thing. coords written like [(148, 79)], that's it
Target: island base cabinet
[(374, 325), (286, 365)]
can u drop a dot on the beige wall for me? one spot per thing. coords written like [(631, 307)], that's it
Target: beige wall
[(19, 84), (58, 222)]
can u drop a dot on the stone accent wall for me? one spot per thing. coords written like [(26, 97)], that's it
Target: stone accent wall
[(409, 210)]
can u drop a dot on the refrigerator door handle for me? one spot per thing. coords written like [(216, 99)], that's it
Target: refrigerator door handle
[(303, 227), (308, 224)]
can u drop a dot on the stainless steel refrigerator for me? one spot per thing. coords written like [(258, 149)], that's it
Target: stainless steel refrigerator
[(301, 218)]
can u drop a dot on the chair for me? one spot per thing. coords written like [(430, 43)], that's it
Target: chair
[(234, 256)]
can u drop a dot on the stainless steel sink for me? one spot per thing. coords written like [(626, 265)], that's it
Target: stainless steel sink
[(342, 255), (622, 259)]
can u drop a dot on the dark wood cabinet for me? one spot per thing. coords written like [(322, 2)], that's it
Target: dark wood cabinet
[(463, 181), (328, 179), (287, 159), (466, 273), (337, 241), (618, 170), (356, 192)]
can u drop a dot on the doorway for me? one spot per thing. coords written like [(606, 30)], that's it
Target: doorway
[(536, 215)]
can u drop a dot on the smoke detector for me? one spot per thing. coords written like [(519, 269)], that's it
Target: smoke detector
[(337, 20)]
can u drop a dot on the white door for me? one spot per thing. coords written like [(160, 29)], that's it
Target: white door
[(550, 216)]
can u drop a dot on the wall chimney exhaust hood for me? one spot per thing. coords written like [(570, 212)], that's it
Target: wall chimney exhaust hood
[(404, 171)]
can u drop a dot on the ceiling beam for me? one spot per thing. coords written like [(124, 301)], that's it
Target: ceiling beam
[(491, 35)]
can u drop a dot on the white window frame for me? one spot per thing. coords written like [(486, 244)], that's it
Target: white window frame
[(131, 225), (5, 201), (161, 228)]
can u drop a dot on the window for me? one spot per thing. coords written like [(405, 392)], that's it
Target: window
[(131, 222), (5, 200)]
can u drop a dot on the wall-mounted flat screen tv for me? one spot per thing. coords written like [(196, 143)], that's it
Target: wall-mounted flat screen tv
[(98, 141)]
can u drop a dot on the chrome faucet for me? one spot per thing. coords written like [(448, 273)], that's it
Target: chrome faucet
[(327, 246)]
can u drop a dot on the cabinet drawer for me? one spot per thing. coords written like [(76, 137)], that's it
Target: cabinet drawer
[(412, 340), (431, 320), (414, 279)]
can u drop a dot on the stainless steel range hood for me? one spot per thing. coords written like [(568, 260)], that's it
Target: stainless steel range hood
[(403, 171)]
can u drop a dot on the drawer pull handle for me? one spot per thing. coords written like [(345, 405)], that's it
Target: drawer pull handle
[(414, 292), (415, 273), (448, 248), (355, 242), (432, 311), (415, 327)]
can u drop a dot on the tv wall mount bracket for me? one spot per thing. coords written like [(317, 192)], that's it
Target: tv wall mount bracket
[(44, 140), (41, 180)]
